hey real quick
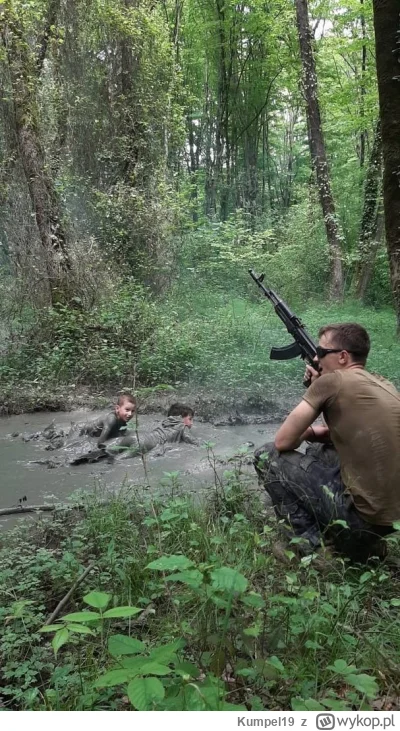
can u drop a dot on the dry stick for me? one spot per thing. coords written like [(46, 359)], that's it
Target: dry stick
[(47, 508), (28, 509), (64, 600)]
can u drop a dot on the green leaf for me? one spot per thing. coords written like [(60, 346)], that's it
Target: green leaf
[(276, 663), (81, 629), (59, 639), (166, 653), (113, 677), (192, 577), (170, 563), (50, 628), (81, 617), (121, 612), (334, 704), (97, 599), (187, 670), (151, 667), (230, 580), (232, 707), (124, 645), (365, 684), (299, 704), (396, 525), (144, 692), (342, 668), (312, 645), (253, 600), (394, 603)]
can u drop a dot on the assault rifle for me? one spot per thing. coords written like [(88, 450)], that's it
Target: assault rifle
[(303, 344)]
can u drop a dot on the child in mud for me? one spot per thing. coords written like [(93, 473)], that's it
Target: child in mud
[(175, 428), (114, 424)]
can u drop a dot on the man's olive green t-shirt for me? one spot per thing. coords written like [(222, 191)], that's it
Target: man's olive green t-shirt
[(363, 415)]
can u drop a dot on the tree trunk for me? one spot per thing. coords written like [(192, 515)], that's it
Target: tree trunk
[(317, 148), (367, 242), (24, 71), (367, 269), (387, 45)]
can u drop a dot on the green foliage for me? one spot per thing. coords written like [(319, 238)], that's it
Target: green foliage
[(187, 609), (99, 346)]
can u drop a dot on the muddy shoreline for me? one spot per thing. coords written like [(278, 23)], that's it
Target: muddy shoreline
[(234, 406)]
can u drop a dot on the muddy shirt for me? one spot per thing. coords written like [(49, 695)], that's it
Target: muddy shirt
[(105, 428), (363, 415), (172, 429)]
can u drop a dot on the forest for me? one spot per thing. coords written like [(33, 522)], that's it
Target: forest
[(151, 153)]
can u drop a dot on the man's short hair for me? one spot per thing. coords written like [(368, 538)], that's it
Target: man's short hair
[(125, 396), (180, 410), (351, 337)]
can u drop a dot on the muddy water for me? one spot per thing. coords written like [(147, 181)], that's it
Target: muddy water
[(21, 477)]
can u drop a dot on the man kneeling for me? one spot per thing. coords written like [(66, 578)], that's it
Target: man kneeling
[(352, 496)]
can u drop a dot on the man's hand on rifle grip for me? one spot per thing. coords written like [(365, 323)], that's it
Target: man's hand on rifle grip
[(310, 375)]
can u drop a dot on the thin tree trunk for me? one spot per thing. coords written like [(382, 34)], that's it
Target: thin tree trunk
[(387, 44), (362, 87), (317, 148), (367, 269), (366, 246)]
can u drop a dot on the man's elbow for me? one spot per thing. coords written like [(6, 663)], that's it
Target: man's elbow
[(283, 444)]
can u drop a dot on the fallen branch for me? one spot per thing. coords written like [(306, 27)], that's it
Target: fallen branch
[(68, 595), (28, 509), (20, 509)]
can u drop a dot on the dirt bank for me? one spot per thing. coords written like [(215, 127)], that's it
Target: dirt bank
[(231, 406)]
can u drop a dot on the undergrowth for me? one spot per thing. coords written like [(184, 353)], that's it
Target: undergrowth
[(186, 608)]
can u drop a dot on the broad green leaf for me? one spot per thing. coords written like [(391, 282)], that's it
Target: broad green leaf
[(310, 704), (313, 705), (143, 692), (151, 667), (121, 612), (276, 663), (230, 580), (113, 677), (166, 653), (124, 645), (170, 563), (134, 664), (81, 629), (365, 684), (50, 628), (312, 645), (97, 599), (81, 617), (59, 639), (396, 525), (394, 603), (232, 707), (253, 600), (342, 668), (334, 704), (192, 577), (187, 669)]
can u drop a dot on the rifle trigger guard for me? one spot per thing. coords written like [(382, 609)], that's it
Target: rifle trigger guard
[(286, 353)]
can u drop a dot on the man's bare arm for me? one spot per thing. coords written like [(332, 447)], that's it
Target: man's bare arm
[(296, 428)]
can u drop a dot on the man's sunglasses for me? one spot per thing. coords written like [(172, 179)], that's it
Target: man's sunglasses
[(322, 352)]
